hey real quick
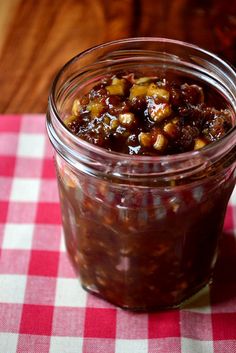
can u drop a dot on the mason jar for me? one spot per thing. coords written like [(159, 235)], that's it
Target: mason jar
[(142, 232)]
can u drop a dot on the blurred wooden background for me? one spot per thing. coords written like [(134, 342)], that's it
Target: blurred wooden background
[(38, 37)]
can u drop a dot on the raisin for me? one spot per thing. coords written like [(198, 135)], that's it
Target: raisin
[(192, 94)]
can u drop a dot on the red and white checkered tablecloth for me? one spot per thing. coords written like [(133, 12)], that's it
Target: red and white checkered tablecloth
[(42, 306)]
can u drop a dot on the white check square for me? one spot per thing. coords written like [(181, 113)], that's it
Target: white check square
[(197, 346), (12, 288), (70, 293), (26, 189), (8, 342), (31, 145), (18, 236), (66, 345), (135, 345)]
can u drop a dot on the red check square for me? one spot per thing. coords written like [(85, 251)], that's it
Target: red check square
[(224, 326), (100, 323), (48, 170), (7, 165), (36, 319), (10, 123), (164, 324), (43, 263), (3, 211), (48, 213)]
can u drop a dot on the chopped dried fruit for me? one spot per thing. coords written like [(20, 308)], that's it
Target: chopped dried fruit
[(192, 94)]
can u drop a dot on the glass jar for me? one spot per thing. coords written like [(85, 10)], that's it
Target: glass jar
[(142, 232)]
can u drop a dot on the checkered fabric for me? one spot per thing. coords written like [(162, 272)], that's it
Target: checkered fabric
[(42, 306)]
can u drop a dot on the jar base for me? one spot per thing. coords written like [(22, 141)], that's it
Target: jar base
[(188, 301)]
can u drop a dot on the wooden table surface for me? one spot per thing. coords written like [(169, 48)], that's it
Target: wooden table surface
[(38, 36)]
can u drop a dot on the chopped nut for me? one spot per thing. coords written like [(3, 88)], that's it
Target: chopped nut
[(199, 143), (114, 124), (69, 119), (95, 108), (171, 129), (161, 93), (118, 81), (145, 139), (127, 119), (137, 91), (175, 120), (117, 87), (159, 112), (141, 80), (76, 107), (161, 143), (106, 120), (115, 90)]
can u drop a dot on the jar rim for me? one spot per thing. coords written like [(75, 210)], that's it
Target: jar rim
[(116, 155)]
